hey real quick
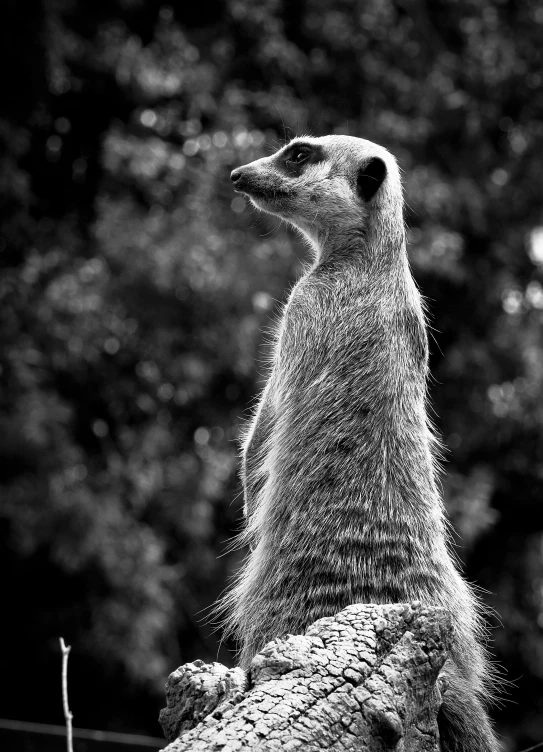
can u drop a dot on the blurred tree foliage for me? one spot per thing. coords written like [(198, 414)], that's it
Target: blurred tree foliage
[(135, 286)]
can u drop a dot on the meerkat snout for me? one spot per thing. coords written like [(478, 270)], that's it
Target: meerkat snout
[(254, 180), (243, 179)]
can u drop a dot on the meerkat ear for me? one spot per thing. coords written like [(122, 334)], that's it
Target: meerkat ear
[(370, 178)]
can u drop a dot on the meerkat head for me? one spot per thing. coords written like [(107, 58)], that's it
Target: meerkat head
[(324, 186)]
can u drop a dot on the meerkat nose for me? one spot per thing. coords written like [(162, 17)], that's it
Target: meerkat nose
[(235, 175)]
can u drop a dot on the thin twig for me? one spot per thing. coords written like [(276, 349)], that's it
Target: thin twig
[(536, 746), (67, 713)]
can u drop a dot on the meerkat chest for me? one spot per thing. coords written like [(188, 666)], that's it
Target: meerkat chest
[(329, 338), (306, 329)]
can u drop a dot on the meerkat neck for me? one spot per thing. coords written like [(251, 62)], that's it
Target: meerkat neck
[(380, 245)]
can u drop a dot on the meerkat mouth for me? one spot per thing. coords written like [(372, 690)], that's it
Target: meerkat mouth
[(264, 194)]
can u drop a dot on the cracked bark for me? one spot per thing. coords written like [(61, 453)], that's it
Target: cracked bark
[(364, 679)]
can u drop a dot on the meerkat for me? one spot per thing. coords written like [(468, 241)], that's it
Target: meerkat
[(339, 462)]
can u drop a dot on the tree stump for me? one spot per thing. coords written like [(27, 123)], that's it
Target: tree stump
[(364, 679)]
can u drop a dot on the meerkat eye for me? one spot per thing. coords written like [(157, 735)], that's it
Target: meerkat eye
[(298, 157)]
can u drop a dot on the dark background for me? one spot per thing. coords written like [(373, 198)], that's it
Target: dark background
[(135, 287)]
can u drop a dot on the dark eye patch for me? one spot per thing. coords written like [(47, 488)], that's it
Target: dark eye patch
[(297, 156)]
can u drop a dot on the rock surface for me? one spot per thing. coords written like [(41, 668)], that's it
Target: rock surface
[(364, 679)]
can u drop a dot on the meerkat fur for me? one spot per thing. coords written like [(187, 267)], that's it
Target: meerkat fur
[(339, 462)]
